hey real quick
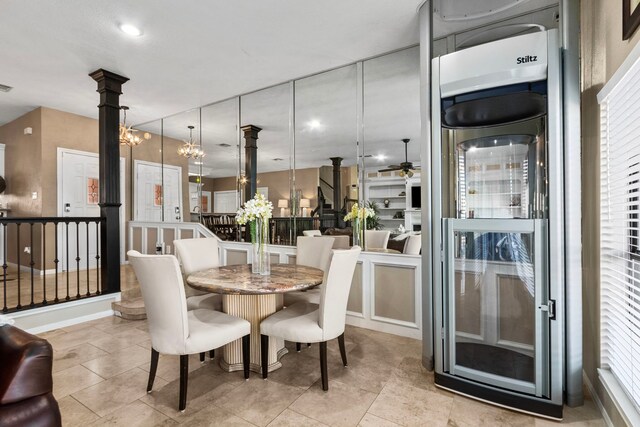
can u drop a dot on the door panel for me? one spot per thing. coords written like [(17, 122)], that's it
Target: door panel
[(158, 192), (498, 332)]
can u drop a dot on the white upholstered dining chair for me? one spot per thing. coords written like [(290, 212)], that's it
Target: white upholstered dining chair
[(313, 252), (413, 245), (312, 233), (195, 255), (175, 330), (376, 239), (311, 323)]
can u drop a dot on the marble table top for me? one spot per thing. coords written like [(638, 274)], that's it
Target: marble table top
[(238, 279)]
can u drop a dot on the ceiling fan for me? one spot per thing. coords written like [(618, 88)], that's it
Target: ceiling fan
[(406, 168)]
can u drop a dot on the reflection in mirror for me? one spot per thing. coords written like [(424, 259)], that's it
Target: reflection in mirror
[(325, 175), (265, 135), (392, 148), (146, 173), (181, 139), (214, 183)]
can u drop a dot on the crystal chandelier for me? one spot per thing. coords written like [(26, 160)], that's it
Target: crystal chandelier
[(190, 149), (127, 134)]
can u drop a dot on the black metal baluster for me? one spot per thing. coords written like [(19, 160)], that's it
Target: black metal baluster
[(88, 291), (68, 273), (56, 260), (44, 263), (19, 306), (4, 267), (78, 259), (31, 263), (98, 257)]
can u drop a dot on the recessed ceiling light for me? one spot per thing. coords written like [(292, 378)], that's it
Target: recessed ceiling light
[(380, 157), (314, 124), (197, 163), (130, 30)]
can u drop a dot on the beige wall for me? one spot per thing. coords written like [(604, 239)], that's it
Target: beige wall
[(602, 52), (31, 166)]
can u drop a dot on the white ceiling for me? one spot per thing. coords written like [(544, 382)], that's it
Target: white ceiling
[(193, 53)]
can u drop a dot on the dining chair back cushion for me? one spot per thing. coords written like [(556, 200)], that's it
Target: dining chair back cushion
[(376, 239), (335, 292), (164, 300), (197, 254), (312, 233), (413, 245), (314, 252)]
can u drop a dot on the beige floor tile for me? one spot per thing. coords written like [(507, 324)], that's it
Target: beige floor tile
[(127, 338), (367, 376), (75, 338), (73, 379), (115, 393), (110, 365), (411, 406), (586, 415), (205, 387), (169, 366), (259, 401), (75, 413), (289, 418), (73, 356), (51, 334), (213, 415), (135, 414), (370, 420), (469, 412), (341, 405), (116, 324), (298, 370)]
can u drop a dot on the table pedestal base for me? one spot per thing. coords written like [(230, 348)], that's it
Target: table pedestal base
[(254, 308)]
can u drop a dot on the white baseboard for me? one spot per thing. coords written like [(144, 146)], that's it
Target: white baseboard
[(60, 315), (36, 271), (596, 399), (388, 328)]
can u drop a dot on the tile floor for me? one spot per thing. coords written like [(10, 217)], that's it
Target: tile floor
[(101, 367)]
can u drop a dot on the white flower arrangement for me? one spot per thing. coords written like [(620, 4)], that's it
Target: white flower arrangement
[(257, 208), (359, 213)]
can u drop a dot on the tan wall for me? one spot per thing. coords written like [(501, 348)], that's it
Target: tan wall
[(23, 176), (602, 52), (31, 166)]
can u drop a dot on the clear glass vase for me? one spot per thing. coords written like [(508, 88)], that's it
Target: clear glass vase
[(261, 261), (357, 226)]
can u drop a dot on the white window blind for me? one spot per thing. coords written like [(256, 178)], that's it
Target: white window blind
[(619, 231)]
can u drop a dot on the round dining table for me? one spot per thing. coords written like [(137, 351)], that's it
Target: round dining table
[(254, 297)]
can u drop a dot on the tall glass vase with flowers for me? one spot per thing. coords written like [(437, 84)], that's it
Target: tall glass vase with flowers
[(358, 218), (256, 214)]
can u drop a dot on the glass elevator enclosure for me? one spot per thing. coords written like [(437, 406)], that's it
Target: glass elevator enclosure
[(497, 305)]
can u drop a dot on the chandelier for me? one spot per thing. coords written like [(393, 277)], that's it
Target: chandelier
[(127, 135), (190, 149)]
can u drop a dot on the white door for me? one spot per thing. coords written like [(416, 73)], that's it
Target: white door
[(78, 196), (157, 190)]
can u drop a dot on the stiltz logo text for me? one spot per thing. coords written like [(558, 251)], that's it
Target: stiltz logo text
[(525, 59)]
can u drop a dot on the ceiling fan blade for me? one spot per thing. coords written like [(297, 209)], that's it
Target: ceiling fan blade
[(390, 169)]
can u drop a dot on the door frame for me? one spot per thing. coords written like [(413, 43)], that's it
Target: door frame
[(60, 201), (135, 186)]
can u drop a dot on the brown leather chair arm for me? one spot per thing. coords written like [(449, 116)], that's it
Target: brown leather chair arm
[(26, 362)]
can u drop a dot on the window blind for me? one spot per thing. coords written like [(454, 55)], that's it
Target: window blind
[(619, 231)]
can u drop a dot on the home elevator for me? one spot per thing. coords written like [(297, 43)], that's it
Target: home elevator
[(498, 222)]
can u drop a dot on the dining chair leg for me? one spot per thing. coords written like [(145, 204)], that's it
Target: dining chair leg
[(212, 354), (152, 369), (202, 357), (264, 355), (298, 347), (184, 378), (308, 344), (246, 351), (323, 366), (343, 351)]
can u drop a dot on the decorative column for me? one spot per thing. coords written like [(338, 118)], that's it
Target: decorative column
[(337, 185), (250, 133), (109, 88)]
